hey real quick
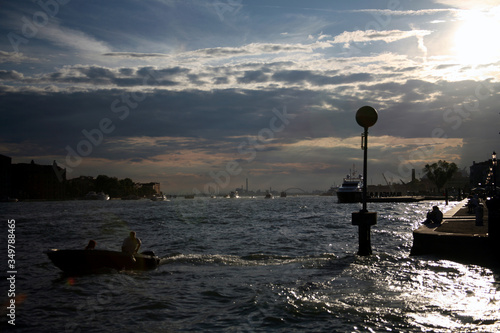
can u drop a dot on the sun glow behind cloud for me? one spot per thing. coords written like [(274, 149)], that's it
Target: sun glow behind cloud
[(475, 40)]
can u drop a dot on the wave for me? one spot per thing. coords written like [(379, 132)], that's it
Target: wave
[(254, 259)]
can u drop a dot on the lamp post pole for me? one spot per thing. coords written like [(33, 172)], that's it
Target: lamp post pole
[(365, 166), (366, 117)]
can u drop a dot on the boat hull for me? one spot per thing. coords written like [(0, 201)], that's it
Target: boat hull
[(94, 261), (349, 197)]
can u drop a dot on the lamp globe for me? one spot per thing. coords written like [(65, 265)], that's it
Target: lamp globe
[(366, 116)]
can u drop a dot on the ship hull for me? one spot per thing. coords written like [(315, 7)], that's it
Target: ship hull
[(349, 197)]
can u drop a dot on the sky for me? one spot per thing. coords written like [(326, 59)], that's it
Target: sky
[(202, 95)]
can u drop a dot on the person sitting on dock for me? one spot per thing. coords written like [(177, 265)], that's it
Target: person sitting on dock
[(91, 245), (473, 203), (131, 244), (435, 216)]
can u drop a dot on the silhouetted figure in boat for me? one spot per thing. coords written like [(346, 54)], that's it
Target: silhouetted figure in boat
[(131, 244), (91, 245)]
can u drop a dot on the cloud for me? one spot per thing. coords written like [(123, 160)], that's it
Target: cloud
[(113, 77), (135, 55), (470, 4), (10, 75), (252, 49), (253, 76), (300, 76), (245, 75), (387, 36), (14, 57), (72, 39)]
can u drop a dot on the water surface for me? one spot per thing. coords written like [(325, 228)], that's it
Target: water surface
[(243, 265)]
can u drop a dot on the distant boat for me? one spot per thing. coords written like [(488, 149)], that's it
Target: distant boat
[(269, 195), (9, 199), (351, 189), (283, 194), (159, 197), (96, 196), (234, 195)]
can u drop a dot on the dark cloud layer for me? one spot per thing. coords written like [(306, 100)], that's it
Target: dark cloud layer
[(57, 119)]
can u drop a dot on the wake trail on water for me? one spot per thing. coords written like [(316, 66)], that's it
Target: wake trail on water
[(254, 259)]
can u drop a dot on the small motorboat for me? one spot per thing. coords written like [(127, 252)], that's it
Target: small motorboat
[(95, 261)]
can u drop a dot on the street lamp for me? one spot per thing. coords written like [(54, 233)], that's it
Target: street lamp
[(366, 116), (494, 162), (493, 204)]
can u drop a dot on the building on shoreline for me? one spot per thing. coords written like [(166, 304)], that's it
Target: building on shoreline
[(5, 176), (479, 173), (152, 186), (31, 181)]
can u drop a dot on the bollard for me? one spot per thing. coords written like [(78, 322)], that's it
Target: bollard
[(364, 220), (479, 215)]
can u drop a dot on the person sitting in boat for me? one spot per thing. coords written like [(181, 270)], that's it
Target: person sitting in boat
[(131, 244), (435, 216), (91, 245)]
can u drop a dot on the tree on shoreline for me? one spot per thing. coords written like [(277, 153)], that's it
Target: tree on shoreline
[(116, 188), (440, 173)]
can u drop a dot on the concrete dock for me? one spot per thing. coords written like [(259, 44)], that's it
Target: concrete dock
[(457, 238)]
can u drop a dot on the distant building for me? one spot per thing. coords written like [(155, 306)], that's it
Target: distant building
[(31, 181), (5, 176), (34, 181), (479, 173), (154, 186)]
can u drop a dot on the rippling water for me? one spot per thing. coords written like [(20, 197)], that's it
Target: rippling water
[(243, 265)]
